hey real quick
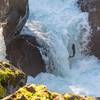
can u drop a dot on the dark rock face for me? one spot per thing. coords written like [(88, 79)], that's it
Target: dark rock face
[(13, 16), (93, 7), (23, 52)]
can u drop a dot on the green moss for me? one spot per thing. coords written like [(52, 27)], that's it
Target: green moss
[(40, 92), (10, 79), (3, 91)]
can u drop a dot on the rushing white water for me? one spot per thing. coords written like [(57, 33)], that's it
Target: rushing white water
[(57, 24), (2, 46)]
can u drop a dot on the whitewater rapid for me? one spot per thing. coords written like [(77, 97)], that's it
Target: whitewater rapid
[(2, 45), (57, 25)]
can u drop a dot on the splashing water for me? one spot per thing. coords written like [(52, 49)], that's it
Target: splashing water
[(50, 24), (2, 46), (57, 25)]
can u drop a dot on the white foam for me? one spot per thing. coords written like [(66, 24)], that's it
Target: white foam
[(84, 79), (56, 25), (2, 46)]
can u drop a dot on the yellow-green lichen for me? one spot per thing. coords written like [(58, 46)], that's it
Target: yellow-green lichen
[(10, 78), (40, 92), (3, 91)]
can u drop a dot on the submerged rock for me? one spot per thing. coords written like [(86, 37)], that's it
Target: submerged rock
[(10, 79), (40, 92), (93, 8), (23, 51)]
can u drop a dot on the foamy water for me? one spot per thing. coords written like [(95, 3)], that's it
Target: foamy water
[(57, 24), (2, 46)]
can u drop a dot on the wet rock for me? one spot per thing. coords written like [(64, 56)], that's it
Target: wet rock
[(23, 52), (40, 92), (13, 16), (10, 79), (93, 8)]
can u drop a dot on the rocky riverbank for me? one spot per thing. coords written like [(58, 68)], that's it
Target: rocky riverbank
[(40, 92), (12, 81)]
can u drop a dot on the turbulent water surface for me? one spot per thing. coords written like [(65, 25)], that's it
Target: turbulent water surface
[(57, 25), (2, 46)]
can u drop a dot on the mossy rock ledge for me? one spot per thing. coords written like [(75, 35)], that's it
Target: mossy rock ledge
[(11, 79), (40, 92)]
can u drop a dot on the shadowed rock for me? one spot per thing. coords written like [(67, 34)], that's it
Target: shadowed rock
[(13, 16), (93, 8), (23, 52)]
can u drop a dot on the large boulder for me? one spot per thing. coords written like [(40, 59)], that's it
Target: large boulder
[(93, 8), (11, 79), (13, 16), (23, 52), (40, 92)]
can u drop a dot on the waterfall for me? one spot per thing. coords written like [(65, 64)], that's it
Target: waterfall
[(49, 23), (57, 25), (2, 46)]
